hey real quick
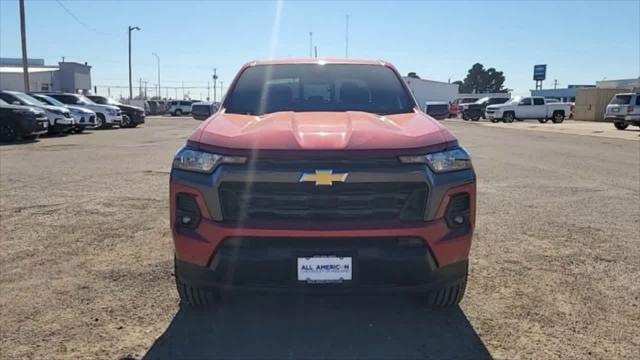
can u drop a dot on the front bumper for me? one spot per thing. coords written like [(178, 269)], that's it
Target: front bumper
[(62, 125), (113, 119), (627, 119), (206, 248), (135, 118)]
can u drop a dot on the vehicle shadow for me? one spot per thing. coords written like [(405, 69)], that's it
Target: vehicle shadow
[(277, 327)]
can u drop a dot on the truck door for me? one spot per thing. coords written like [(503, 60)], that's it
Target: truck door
[(539, 109), (523, 111)]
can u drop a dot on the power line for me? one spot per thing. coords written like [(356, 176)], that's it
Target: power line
[(78, 20)]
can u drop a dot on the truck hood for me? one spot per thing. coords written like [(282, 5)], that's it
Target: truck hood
[(351, 130)]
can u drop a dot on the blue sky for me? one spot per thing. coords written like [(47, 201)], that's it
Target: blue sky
[(581, 42)]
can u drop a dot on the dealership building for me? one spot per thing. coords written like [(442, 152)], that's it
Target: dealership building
[(65, 76)]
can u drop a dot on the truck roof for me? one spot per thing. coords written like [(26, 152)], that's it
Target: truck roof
[(316, 61)]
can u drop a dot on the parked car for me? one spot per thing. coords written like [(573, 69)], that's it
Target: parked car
[(21, 122), (438, 110), (106, 115), (624, 110), (475, 111), (84, 118), (132, 116), (533, 107), (60, 119), (465, 102), (355, 189), (180, 107), (202, 110), (454, 108)]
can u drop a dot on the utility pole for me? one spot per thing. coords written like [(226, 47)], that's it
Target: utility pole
[(208, 91), (140, 88), (316, 51), (310, 44), (158, 58), (23, 35), (346, 50), (183, 90), (221, 91), (131, 28), (555, 84), (215, 79), (145, 89)]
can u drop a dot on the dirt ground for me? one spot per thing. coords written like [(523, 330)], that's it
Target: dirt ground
[(86, 265)]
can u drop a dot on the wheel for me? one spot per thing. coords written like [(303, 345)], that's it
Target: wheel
[(542, 121), (126, 122), (100, 121), (78, 130), (620, 125), (508, 117), (475, 117), (558, 117), (9, 131), (178, 112), (448, 296), (195, 296), (465, 117)]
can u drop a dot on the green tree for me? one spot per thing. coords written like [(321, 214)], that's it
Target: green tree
[(481, 80), (413, 75)]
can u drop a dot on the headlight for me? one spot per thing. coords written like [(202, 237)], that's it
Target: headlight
[(204, 162), (440, 162), (111, 112)]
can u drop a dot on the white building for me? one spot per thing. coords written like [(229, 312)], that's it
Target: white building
[(429, 90), (66, 76), (618, 84)]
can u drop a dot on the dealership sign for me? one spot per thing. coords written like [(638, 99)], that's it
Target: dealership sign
[(539, 72)]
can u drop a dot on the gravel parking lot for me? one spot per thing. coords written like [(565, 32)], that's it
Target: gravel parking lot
[(86, 259)]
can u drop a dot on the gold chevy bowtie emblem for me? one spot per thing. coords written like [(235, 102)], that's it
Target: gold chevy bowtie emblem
[(323, 177)]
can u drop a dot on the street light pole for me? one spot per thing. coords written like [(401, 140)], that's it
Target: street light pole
[(131, 28), (159, 88), (23, 35)]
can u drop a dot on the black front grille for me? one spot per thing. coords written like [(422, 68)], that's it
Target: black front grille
[(340, 202)]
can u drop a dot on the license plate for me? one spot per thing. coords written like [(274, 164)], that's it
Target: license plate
[(615, 109), (324, 269)]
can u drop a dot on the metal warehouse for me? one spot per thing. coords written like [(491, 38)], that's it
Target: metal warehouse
[(66, 76)]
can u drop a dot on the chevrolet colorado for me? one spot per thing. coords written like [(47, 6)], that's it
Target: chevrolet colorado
[(321, 176)]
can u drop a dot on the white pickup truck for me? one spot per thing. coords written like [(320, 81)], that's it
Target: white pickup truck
[(532, 107)]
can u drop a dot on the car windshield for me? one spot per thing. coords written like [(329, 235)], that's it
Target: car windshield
[(48, 100), (316, 87), (621, 100), (27, 99), (484, 100), (514, 100), (2, 102)]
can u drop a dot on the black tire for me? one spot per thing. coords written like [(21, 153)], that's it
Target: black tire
[(620, 125), (558, 117), (101, 121), (542, 121), (126, 122), (475, 117), (450, 295), (195, 296), (9, 132), (79, 130), (465, 117), (178, 112), (508, 117)]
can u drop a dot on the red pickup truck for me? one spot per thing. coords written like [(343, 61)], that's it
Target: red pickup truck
[(321, 176)]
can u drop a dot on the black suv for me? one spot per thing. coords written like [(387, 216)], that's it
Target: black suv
[(132, 116), (17, 121), (475, 111)]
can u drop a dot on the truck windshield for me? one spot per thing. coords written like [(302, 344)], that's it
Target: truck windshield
[(266, 89), (621, 100)]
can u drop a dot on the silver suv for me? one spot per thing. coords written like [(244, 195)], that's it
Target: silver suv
[(624, 110)]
